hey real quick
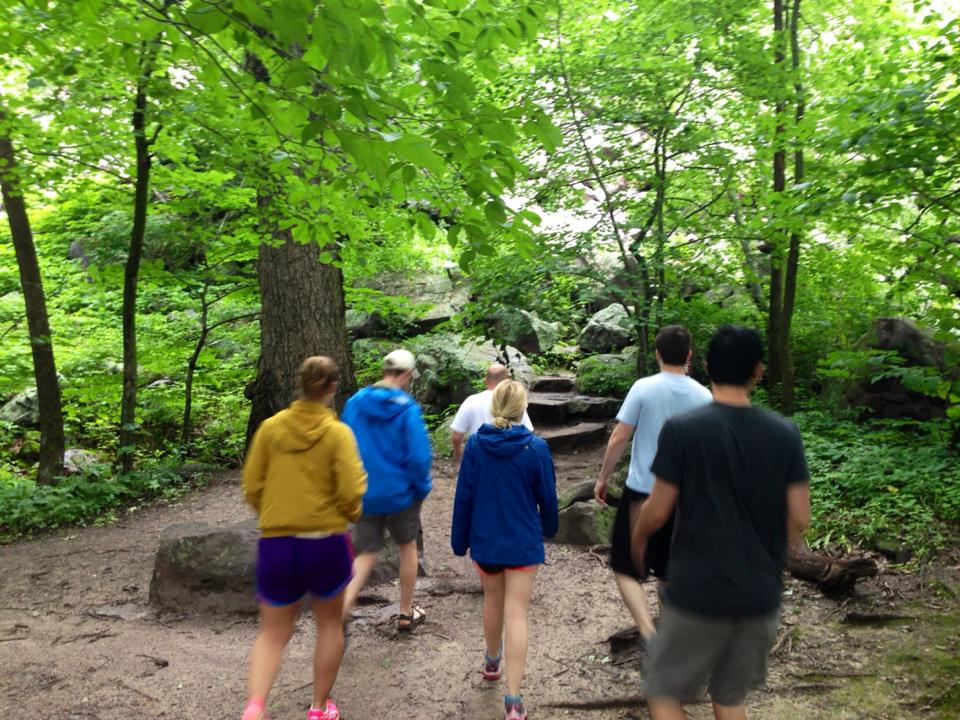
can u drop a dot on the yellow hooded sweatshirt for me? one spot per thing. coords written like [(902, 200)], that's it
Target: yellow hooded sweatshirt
[(303, 473)]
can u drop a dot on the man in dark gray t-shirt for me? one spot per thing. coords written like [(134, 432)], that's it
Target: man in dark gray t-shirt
[(738, 478)]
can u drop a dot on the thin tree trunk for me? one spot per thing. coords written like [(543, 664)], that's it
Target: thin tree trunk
[(793, 254), (38, 324), (131, 272), (775, 310)]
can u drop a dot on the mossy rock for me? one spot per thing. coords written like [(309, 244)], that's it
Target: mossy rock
[(441, 440), (606, 375)]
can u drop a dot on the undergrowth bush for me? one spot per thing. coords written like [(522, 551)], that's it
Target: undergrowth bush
[(95, 495), (883, 481)]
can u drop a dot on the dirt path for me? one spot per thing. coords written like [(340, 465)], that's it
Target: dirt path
[(77, 641)]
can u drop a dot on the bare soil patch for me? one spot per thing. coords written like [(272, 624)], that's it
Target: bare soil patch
[(77, 640)]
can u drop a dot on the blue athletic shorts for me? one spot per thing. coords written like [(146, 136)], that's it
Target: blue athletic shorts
[(289, 567)]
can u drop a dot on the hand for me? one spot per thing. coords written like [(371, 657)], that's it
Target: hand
[(600, 492)]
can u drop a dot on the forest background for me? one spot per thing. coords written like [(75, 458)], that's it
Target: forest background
[(210, 189)]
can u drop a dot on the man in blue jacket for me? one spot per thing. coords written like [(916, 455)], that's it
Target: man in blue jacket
[(395, 450)]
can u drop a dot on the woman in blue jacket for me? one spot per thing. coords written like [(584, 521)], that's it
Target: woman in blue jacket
[(506, 503)]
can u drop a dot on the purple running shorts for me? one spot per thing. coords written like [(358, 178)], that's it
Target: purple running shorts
[(289, 567)]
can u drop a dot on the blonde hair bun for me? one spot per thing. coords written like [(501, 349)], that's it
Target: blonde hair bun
[(508, 404)]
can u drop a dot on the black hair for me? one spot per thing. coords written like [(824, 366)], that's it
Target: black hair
[(733, 355), (673, 343)]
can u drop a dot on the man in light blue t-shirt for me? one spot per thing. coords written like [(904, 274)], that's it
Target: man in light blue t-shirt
[(649, 404)]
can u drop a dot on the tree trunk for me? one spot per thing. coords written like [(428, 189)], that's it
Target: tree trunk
[(38, 324), (302, 314), (793, 253), (775, 310), (131, 272)]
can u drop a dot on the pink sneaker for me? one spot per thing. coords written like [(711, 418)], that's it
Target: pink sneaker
[(491, 667), (330, 712), (255, 711)]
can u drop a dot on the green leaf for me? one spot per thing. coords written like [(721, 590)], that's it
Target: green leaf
[(207, 17)]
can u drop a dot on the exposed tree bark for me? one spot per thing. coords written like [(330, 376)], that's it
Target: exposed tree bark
[(302, 314), (38, 324), (131, 270), (830, 575)]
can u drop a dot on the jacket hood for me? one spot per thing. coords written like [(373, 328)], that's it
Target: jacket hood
[(382, 402), (504, 443), (304, 423)]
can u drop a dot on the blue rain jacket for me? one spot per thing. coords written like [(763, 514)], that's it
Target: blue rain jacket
[(394, 447), (506, 501)]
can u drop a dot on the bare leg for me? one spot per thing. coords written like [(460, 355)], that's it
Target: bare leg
[(328, 651), (493, 593), (635, 598), (276, 627), (631, 590), (665, 709), (730, 712), (408, 575), (518, 587), (362, 567)]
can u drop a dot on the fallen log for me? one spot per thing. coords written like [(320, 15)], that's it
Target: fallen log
[(831, 575)]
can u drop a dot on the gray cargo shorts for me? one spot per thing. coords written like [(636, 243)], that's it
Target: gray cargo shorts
[(728, 655), (368, 531)]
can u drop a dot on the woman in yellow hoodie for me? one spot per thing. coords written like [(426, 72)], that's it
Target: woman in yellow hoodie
[(304, 478)]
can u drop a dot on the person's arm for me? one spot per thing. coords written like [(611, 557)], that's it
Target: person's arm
[(457, 440), (546, 491), (654, 513), (255, 470), (350, 479), (619, 439), (798, 513), (419, 457), (798, 494), (463, 503)]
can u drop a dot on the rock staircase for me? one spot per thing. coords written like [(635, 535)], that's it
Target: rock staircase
[(565, 419)]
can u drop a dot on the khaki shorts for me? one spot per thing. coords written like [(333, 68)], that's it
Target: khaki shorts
[(727, 655), (368, 532)]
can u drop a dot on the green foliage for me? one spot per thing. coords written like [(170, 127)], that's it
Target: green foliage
[(878, 482), (26, 507), (606, 375)]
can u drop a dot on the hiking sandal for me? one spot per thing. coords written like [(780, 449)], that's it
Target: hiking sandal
[(406, 623)]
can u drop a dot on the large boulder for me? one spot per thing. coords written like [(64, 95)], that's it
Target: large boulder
[(584, 523), (607, 375), (435, 296), (524, 330), (23, 409), (607, 331), (452, 368), (205, 569), (889, 397)]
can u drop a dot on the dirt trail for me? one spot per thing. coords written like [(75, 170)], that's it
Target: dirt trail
[(77, 640)]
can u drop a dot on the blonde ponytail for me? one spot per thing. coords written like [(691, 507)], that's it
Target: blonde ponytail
[(508, 404)]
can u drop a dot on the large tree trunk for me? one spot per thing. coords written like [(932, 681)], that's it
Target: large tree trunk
[(302, 314), (38, 323), (131, 272)]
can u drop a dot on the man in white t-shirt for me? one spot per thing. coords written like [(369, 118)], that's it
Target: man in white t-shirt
[(649, 404), (475, 410)]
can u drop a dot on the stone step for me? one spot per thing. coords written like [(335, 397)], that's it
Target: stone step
[(573, 436), (553, 383), (547, 408), (555, 408)]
